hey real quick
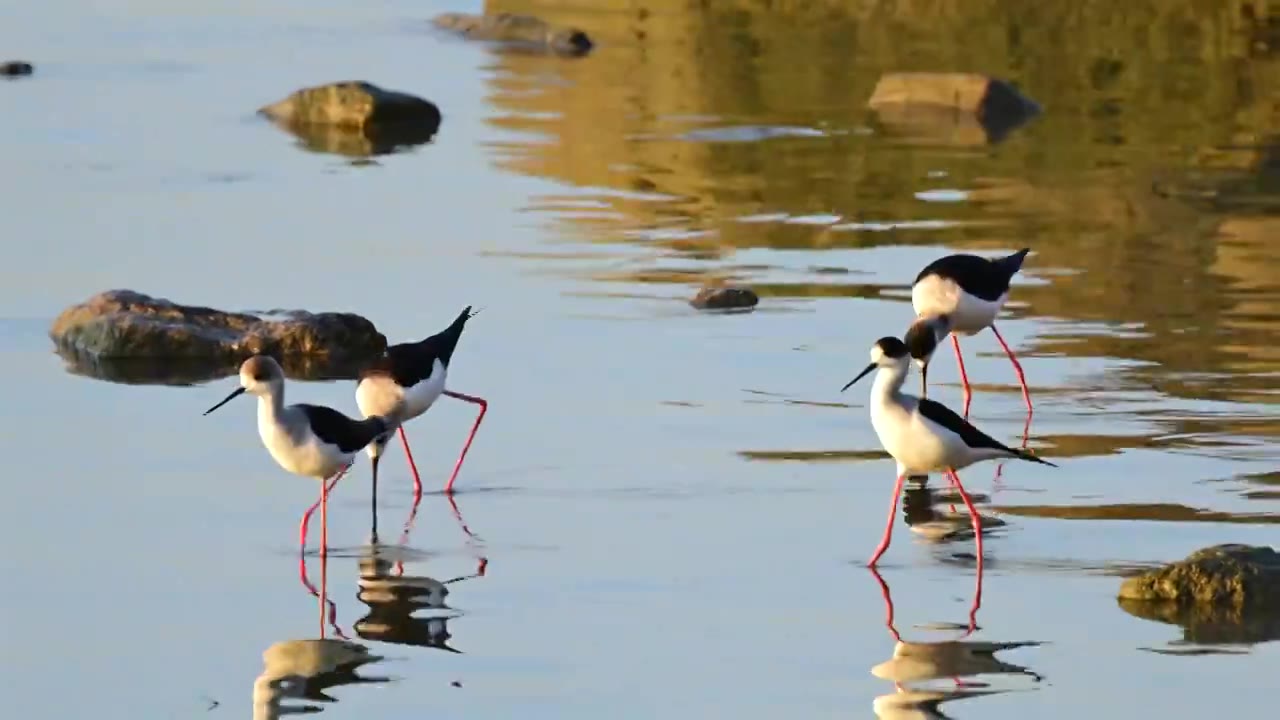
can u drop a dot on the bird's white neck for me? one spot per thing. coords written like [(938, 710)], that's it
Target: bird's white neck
[(888, 383), (271, 405)]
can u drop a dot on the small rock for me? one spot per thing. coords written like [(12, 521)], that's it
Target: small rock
[(521, 31), (355, 105), (724, 298), (16, 68), (127, 336), (1229, 576), (955, 105)]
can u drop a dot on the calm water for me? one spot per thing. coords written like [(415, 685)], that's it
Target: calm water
[(673, 508)]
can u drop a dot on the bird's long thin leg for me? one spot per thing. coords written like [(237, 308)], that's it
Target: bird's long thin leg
[(484, 407), (408, 526), (977, 534), (413, 467), (306, 583), (964, 377), (324, 573), (457, 515), (888, 528), (306, 517), (977, 601), (1017, 368), (1026, 435), (324, 521), (888, 604)]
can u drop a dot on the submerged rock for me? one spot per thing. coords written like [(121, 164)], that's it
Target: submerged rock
[(358, 114), (960, 108), (725, 298), (524, 32), (1227, 576), (126, 336), (16, 68)]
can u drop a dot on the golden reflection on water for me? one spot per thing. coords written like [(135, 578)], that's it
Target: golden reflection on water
[(698, 131)]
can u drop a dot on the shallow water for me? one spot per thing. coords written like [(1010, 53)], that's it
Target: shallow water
[(672, 508)]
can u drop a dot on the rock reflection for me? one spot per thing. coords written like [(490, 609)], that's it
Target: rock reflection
[(193, 371), (1209, 625), (365, 142), (920, 662), (303, 670)]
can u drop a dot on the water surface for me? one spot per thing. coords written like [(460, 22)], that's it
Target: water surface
[(672, 509)]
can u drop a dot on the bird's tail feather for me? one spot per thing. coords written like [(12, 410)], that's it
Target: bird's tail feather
[(1013, 263), (1029, 457)]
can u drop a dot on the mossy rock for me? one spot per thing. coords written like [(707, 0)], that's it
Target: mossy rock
[(1224, 576)]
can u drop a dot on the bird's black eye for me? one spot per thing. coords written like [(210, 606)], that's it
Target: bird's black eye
[(261, 377)]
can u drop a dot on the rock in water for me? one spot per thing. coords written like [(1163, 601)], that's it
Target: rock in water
[(964, 108), (199, 341), (1233, 576), (16, 68), (725, 298), (356, 119), (524, 32), (356, 106)]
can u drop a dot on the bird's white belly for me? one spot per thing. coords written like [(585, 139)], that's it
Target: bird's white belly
[(310, 458), (380, 395), (969, 314), (913, 441)]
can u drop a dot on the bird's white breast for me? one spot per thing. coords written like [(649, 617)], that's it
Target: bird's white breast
[(935, 295), (380, 395), (918, 444), (302, 456)]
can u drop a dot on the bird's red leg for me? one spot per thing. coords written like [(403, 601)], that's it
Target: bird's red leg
[(1026, 435), (333, 609), (964, 377), (888, 528), (888, 604), (484, 407), (306, 517), (1017, 367), (408, 526), (413, 467), (977, 533)]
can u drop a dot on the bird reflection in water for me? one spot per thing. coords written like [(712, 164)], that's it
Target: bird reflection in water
[(302, 670), (393, 598), (920, 662)]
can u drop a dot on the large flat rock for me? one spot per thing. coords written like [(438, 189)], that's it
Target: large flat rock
[(126, 336)]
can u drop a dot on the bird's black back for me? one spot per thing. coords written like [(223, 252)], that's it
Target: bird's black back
[(972, 436), (335, 428), (410, 363), (978, 276)]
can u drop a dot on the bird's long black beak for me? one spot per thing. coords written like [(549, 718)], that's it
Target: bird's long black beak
[(924, 380), (227, 399), (865, 370)]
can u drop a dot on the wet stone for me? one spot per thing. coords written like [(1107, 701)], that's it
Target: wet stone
[(16, 68), (357, 107), (1226, 576), (126, 336), (524, 32), (725, 298)]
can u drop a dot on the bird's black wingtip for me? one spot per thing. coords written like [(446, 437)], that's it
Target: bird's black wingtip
[(1030, 457)]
